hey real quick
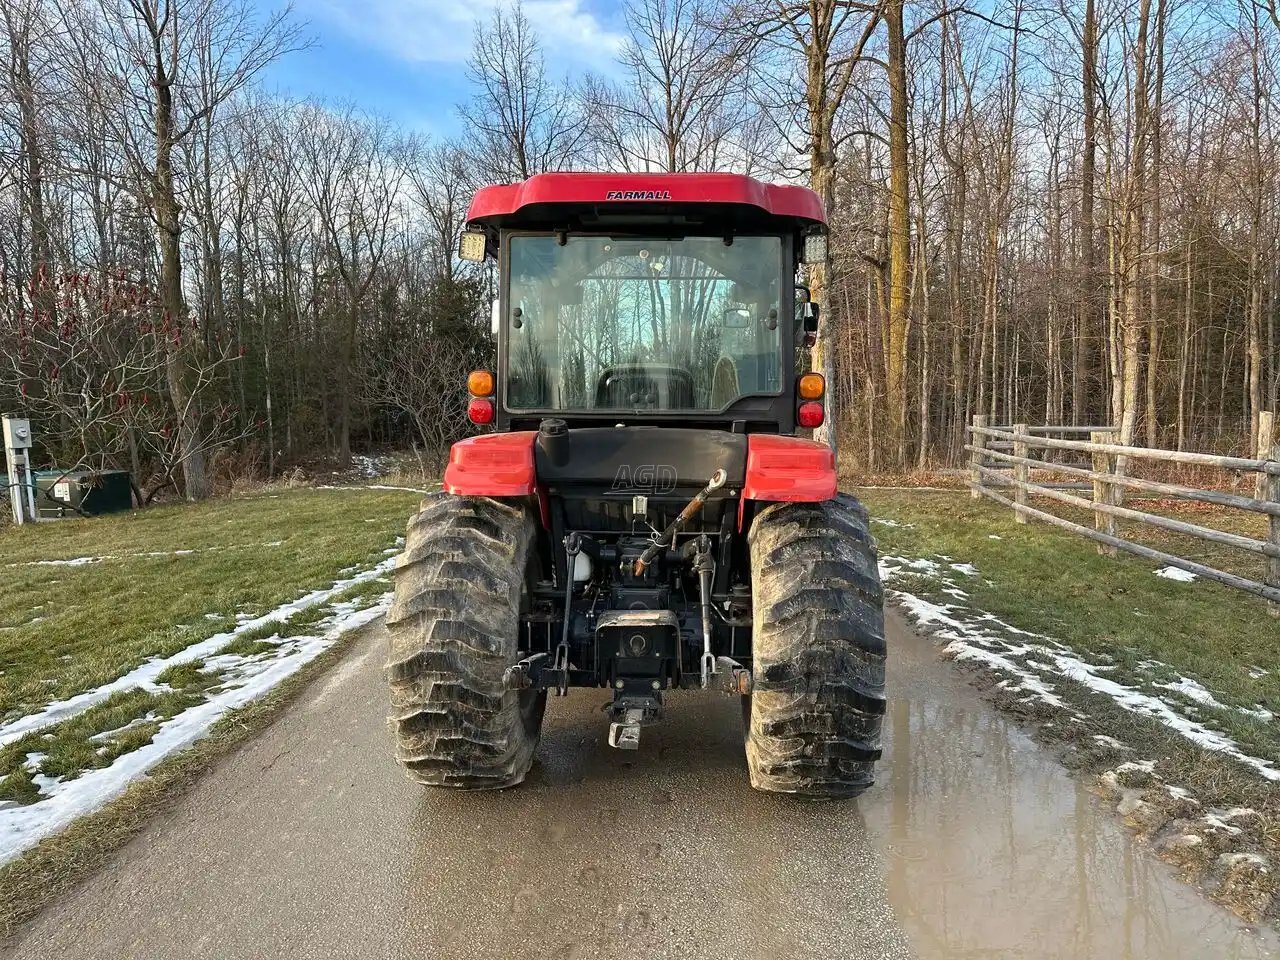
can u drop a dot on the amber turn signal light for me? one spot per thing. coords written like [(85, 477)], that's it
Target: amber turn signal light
[(480, 383), (480, 411), (810, 415), (811, 386)]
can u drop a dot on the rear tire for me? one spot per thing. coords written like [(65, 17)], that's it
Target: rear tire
[(817, 698), (454, 629)]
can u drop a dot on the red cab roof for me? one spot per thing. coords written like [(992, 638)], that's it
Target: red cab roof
[(608, 189)]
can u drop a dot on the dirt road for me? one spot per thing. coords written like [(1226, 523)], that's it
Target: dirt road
[(309, 843)]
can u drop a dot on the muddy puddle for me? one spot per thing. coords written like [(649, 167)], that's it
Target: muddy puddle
[(991, 850)]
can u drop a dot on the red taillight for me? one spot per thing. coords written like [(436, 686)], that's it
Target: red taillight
[(810, 415), (481, 411)]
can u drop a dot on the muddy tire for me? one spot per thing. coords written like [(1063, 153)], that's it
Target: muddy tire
[(454, 630), (818, 650)]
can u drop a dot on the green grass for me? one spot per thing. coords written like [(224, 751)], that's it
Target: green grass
[(65, 629), (91, 740), (100, 620), (1111, 609)]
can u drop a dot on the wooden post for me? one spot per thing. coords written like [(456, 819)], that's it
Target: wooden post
[(1267, 487), (1021, 471), (1103, 491), (976, 458)]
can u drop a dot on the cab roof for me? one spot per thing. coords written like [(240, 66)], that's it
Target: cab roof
[(567, 200)]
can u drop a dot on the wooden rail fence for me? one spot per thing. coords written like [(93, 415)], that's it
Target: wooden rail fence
[(1001, 459)]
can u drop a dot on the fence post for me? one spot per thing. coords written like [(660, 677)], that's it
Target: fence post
[(979, 440), (1268, 488), (1021, 471), (1102, 490)]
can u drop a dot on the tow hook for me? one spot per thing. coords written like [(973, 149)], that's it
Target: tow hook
[(624, 734), (630, 713)]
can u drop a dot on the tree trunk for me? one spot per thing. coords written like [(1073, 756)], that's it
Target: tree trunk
[(182, 342), (899, 228), (1088, 185)]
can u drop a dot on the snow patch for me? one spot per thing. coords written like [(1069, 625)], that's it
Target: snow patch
[(22, 827), (370, 467), (1197, 692), (1214, 820), (1026, 680), (145, 676), (1176, 573), (112, 734), (1137, 766), (431, 487), (892, 565), (73, 562), (1137, 702), (146, 555), (968, 569), (1106, 741), (984, 638)]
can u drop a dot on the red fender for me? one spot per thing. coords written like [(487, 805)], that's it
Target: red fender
[(787, 469), (492, 465), (495, 465)]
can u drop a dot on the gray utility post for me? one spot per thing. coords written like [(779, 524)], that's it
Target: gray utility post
[(17, 454)]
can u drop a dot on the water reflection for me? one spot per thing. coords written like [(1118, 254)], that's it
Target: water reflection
[(992, 851)]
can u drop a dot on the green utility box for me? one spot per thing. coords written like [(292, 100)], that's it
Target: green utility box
[(81, 492)]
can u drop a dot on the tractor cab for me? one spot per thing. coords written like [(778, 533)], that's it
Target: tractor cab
[(641, 517), (647, 300)]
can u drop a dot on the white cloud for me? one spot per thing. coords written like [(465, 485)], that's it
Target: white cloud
[(439, 31)]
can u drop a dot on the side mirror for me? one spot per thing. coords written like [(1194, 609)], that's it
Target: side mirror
[(736, 318), (808, 332), (495, 319), (803, 293), (809, 314)]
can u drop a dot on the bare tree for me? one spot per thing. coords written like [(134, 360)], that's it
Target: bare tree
[(94, 373), (353, 176), (172, 64), (522, 122), (683, 101), (438, 175)]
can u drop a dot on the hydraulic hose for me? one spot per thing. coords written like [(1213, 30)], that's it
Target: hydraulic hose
[(664, 539)]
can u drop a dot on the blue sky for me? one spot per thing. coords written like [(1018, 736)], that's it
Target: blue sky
[(407, 58)]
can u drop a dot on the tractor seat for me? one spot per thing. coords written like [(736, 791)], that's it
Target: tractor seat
[(645, 387)]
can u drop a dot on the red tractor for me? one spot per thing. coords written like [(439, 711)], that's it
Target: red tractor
[(642, 517)]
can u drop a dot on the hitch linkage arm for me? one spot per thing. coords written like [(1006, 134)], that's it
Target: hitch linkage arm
[(705, 566)]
